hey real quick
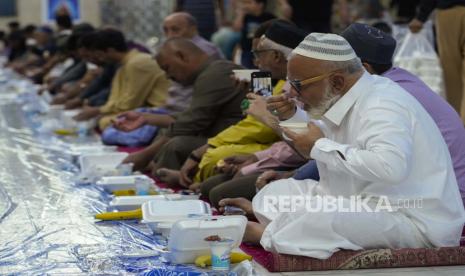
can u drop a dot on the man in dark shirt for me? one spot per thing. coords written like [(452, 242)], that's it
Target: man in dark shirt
[(450, 31), (215, 104), (312, 16), (248, 18), (405, 10), (204, 13)]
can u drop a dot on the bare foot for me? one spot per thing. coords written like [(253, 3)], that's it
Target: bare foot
[(253, 232), (195, 187), (239, 202), (170, 177)]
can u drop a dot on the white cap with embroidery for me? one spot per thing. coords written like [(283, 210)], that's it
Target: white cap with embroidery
[(330, 47)]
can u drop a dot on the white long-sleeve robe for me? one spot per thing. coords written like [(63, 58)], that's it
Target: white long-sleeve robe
[(380, 142)]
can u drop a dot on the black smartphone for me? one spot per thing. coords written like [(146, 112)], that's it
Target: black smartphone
[(261, 83)]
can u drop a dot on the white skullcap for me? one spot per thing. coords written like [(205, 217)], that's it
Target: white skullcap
[(330, 47)]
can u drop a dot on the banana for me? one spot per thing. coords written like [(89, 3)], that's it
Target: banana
[(124, 192), (203, 261), (65, 132), (134, 214), (236, 257)]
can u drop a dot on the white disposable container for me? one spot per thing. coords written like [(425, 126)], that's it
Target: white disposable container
[(102, 162), (187, 237), (114, 183), (164, 228), (295, 127), (157, 211), (125, 203)]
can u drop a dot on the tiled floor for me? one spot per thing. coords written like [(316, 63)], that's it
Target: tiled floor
[(416, 271)]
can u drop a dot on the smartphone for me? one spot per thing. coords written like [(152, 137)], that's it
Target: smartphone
[(261, 83)]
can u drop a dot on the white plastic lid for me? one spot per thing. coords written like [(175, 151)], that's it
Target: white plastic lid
[(158, 211), (103, 160), (190, 234), (134, 200), (115, 180)]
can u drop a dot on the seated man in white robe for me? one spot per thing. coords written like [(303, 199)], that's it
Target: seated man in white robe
[(374, 142)]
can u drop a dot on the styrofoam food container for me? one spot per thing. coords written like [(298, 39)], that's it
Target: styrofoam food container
[(244, 74), (114, 183), (104, 161), (156, 211), (164, 228), (91, 149), (125, 203), (187, 237)]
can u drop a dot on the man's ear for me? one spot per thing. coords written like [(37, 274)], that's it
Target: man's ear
[(338, 82), (368, 67), (182, 56), (278, 56)]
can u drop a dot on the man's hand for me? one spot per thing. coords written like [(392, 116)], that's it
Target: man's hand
[(267, 177), (140, 160), (233, 164), (59, 99), (188, 170), (415, 25), (238, 202), (73, 103), (304, 142), (282, 106), (87, 113), (129, 121), (257, 107)]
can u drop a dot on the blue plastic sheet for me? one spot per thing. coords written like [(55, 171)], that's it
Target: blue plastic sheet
[(46, 220)]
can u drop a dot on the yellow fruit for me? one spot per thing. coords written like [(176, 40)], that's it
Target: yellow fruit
[(236, 257), (65, 132), (203, 261), (124, 192), (134, 214)]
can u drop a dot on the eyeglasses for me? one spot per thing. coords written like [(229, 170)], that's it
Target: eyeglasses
[(256, 53), (298, 84)]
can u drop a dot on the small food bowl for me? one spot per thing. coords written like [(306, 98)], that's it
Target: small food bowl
[(298, 128)]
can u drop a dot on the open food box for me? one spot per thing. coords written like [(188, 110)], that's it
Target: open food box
[(115, 183)]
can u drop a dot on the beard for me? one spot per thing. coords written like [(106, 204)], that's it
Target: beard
[(330, 97)]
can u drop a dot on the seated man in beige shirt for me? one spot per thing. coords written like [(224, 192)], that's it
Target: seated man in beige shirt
[(138, 82)]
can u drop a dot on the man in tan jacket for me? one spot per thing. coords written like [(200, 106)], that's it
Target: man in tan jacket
[(138, 82)]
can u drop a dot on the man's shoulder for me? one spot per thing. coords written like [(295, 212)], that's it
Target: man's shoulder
[(142, 61), (216, 75), (221, 67), (385, 92)]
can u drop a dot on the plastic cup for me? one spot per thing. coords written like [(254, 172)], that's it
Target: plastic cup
[(221, 254), (142, 186)]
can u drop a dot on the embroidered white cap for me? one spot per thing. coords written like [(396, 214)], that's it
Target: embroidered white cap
[(330, 47)]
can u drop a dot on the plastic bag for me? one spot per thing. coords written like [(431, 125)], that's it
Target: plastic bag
[(417, 55)]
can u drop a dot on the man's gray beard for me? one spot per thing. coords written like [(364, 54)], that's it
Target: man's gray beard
[(329, 99)]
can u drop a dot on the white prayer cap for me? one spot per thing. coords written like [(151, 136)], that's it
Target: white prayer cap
[(330, 47)]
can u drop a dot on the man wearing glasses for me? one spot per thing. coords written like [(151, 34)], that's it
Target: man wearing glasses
[(378, 143)]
